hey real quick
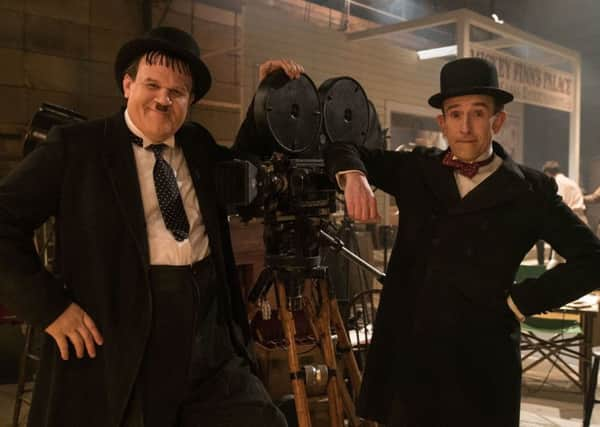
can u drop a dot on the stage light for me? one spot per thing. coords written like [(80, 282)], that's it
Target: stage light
[(496, 19), (438, 52)]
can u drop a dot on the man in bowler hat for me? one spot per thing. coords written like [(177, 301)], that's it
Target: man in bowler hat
[(144, 315), (445, 349)]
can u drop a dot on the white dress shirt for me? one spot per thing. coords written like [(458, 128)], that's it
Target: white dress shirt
[(163, 248)]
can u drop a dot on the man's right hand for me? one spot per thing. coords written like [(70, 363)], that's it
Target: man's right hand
[(360, 199), (77, 326), (291, 68)]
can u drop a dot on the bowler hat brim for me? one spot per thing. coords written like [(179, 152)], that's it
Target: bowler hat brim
[(501, 96), (138, 47)]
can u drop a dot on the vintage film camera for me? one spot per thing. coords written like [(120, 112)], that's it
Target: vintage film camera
[(292, 124), (287, 185)]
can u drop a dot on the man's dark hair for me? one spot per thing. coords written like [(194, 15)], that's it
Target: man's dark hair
[(498, 107), (551, 167), (159, 57)]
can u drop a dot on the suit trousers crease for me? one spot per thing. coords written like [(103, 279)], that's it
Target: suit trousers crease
[(191, 375)]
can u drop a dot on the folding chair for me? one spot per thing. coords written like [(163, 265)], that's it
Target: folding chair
[(550, 339), (360, 322), (26, 355), (566, 337)]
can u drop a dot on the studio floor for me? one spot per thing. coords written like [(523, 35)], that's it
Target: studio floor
[(549, 400)]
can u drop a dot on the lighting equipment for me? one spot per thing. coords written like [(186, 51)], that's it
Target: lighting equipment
[(438, 52), (47, 116)]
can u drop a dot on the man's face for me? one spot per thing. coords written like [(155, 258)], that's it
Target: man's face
[(158, 99), (468, 123)]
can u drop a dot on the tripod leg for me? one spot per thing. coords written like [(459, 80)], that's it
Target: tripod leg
[(298, 387), (311, 313), (347, 402), (349, 361), (346, 347), (335, 404), (346, 398)]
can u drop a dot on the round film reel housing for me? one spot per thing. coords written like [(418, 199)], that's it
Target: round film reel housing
[(345, 110), (288, 112)]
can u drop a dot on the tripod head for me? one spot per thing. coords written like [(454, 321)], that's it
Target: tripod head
[(294, 270)]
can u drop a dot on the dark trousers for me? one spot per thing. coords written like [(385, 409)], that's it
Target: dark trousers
[(191, 375)]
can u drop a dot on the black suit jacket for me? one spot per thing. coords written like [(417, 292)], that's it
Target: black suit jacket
[(445, 349), (85, 175)]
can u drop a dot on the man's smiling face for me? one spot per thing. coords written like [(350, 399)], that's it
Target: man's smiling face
[(158, 98)]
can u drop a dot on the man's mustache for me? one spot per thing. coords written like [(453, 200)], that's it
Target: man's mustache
[(161, 107)]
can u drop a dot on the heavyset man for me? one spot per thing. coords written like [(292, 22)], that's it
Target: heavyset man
[(445, 349), (145, 321)]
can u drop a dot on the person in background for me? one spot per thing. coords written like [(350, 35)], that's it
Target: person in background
[(145, 323), (445, 348), (568, 189), (572, 196), (592, 198)]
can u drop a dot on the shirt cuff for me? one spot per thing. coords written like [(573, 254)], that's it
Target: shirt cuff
[(341, 180), (511, 304)]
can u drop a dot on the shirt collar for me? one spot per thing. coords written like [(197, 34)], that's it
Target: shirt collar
[(170, 141), (486, 155)]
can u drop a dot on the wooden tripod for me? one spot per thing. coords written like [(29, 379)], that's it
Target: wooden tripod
[(321, 317)]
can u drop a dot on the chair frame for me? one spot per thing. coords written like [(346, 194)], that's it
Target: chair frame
[(556, 346), (26, 356), (364, 299)]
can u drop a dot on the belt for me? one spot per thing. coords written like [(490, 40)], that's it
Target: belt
[(171, 277)]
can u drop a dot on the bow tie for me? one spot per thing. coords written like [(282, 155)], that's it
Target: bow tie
[(467, 169)]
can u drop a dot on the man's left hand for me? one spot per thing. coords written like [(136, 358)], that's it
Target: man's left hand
[(291, 68)]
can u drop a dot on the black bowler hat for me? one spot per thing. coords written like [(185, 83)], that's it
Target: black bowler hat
[(170, 40), (469, 76)]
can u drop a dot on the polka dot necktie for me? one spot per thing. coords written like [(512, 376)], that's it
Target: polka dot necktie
[(169, 199)]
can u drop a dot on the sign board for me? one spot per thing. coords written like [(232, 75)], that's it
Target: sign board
[(531, 83)]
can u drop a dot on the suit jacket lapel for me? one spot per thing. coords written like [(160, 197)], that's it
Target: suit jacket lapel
[(505, 184), (121, 167), (199, 165), (440, 181)]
